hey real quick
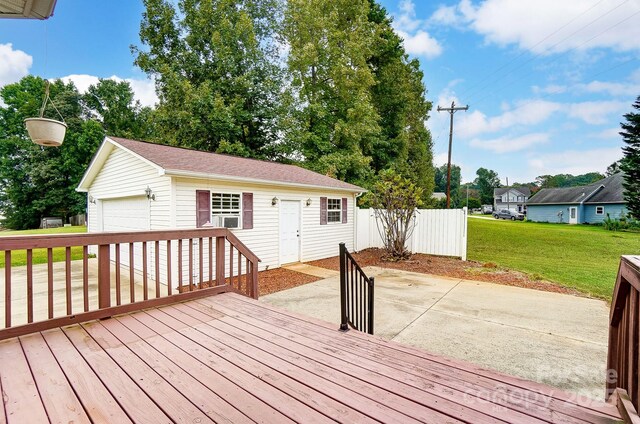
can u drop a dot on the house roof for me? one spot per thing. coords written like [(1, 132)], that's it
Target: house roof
[(27, 9), (502, 190), (607, 190), (180, 161)]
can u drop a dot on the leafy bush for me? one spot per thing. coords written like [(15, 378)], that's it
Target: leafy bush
[(624, 223)]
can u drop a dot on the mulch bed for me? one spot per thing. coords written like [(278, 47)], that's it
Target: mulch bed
[(450, 267), (274, 280), (269, 281)]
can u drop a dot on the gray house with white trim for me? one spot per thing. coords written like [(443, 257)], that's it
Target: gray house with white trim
[(588, 204)]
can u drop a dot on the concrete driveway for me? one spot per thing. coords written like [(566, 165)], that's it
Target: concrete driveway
[(556, 339)]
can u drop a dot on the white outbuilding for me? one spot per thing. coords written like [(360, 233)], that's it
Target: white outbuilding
[(283, 213)]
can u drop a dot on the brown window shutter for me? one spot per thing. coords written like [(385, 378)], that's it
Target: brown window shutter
[(323, 211), (203, 207), (247, 211), (344, 210)]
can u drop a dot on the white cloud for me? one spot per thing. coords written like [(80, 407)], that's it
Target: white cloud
[(417, 41), (143, 89), (14, 64), (608, 134), (596, 113), (440, 159), (526, 113), (549, 26), (510, 144), (575, 162), (421, 44), (611, 88)]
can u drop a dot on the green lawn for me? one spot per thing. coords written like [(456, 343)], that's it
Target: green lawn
[(579, 256), (19, 257)]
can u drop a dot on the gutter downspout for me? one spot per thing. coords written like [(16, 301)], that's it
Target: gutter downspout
[(581, 205)]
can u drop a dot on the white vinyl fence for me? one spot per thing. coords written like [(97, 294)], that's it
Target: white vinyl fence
[(437, 232)]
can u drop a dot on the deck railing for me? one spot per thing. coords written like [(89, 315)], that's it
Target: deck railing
[(356, 295), (624, 333), (55, 280)]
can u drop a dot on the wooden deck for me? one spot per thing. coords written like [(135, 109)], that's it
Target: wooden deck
[(229, 358)]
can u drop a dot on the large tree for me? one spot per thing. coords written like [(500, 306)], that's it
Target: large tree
[(486, 180), (215, 63), (399, 96), (631, 162), (441, 183), (332, 120), (40, 181), (112, 103)]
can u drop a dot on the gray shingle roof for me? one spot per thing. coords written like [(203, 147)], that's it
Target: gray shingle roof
[(500, 191), (607, 190), (180, 159)]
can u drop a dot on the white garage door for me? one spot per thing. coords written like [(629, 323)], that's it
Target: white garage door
[(129, 214), (125, 214)]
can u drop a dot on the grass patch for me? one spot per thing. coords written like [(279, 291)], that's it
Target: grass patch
[(583, 257), (19, 257)]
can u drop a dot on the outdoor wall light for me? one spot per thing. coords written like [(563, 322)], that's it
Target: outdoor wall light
[(274, 201), (149, 193), (92, 200), (308, 202)]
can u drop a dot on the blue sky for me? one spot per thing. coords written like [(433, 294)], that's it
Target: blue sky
[(547, 81)]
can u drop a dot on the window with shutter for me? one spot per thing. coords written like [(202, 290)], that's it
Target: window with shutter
[(203, 207), (344, 210), (247, 211), (323, 211)]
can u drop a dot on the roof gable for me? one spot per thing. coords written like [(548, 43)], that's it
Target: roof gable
[(194, 163)]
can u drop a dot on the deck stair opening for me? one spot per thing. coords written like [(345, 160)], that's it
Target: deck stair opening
[(356, 294)]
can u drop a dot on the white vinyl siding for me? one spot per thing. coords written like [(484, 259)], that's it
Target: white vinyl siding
[(124, 175), (317, 241)]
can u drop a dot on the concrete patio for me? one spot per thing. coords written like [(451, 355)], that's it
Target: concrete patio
[(556, 339)]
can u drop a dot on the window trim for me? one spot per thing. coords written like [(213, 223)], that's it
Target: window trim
[(601, 212), (338, 200), (239, 210)]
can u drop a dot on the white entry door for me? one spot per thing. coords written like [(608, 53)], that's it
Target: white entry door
[(573, 215), (289, 231)]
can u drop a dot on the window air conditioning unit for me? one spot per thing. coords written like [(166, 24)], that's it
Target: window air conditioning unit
[(229, 221)]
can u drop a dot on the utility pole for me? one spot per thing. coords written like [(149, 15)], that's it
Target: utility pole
[(508, 201), (453, 109)]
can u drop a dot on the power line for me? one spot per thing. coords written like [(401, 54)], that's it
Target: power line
[(506, 64)]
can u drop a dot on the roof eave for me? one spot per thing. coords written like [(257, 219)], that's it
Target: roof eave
[(189, 174)]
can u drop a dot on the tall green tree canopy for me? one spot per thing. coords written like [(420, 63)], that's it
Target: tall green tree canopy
[(40, 181), (486, 180), (399, 97), (332, 119), (631, 162), (215, 63), (356, 101), (441, 183), (568, 180)]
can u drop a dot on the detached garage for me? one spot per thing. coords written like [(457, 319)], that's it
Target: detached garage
[(283, 213)]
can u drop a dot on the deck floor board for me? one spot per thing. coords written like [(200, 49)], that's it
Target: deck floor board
[(228, 358), (418, 359), (418, 373)]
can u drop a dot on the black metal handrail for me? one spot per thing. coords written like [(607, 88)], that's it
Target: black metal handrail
[(356, 295)]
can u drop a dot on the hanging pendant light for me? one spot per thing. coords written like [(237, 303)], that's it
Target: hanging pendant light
[(44, 131)]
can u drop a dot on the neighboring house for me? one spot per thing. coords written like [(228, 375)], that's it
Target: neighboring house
[(513, 198), (584, 204), (283, 213), (438, 195)]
